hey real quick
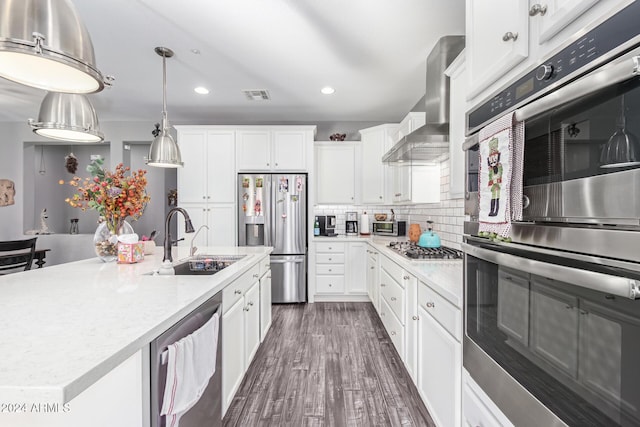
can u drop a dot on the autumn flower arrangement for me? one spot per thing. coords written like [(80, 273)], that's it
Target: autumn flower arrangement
[(112, 194)]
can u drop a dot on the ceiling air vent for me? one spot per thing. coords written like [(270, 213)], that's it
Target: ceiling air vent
[(257, 95)]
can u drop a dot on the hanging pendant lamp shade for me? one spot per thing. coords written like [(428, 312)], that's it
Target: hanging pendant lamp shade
[(164, 151), (622, 149), (44, 44), (67, 117)]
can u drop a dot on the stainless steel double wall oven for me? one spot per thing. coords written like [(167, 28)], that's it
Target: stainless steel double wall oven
[(552, 320)]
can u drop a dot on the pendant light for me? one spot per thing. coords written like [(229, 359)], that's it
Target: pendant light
[(622, 149), (67, 117), (44, 44), (164, 152)]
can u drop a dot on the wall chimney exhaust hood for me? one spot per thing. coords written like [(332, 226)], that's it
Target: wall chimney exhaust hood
[(429, 142)]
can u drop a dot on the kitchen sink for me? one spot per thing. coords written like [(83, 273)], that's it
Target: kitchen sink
[(199, 265)]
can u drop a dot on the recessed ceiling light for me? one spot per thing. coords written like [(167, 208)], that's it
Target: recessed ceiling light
[(201, 90), (195, 51), (327, 90)]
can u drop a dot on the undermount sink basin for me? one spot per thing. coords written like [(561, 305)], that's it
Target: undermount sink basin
[(198, 265)]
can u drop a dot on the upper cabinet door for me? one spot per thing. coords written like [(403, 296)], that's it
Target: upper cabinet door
[(191, 178), (335, 173), (221, 176), (289, 150), (557, 15), (497, 39), (254, 150)]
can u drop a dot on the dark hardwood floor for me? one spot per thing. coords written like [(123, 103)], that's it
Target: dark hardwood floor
[(327, 364)]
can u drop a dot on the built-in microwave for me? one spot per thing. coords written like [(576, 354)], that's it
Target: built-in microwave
[(390, 228)]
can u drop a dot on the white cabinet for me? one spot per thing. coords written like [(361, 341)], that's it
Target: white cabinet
[(335, 172), (340, 271), (477, 407), (240, 330), (209, 173), (505, 37), (206, 185), (412, 121), (219, 217), (330, 268), (439, 356), (356, 265), (376, 141), (373, 274), (265, 298), (233, 351), (497, 39), (557, 15), (281, 148), (251, 322), (415, 183), (457, 127)]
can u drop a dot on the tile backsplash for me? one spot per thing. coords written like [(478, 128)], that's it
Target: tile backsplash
[(447, 216)]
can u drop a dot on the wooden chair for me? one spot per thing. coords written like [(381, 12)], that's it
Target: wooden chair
[(16, 255)]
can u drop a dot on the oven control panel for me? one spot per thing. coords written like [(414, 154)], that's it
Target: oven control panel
[(561, 67)]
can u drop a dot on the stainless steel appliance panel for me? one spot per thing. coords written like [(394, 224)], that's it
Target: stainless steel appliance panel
[(288, 278), (208, 410), (289, 214), (254, 228)]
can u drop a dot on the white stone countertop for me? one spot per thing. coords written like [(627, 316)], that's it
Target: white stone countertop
[(444, 276), (64, 327)]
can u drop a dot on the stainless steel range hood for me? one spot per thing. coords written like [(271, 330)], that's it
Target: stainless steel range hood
[(429, 142)]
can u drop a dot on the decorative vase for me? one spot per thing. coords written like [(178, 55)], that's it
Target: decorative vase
[(105, 241)]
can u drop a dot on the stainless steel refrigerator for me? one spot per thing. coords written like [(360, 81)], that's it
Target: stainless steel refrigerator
[(272, 211)]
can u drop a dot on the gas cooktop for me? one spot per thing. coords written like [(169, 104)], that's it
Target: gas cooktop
[(414, 252)]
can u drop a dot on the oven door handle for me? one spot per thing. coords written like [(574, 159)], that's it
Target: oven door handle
[(615, 285)]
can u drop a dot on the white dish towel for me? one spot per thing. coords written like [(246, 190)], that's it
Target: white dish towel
[(191, 363)]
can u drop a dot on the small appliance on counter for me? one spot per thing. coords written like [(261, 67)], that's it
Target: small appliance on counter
[(351, 224), (390, 228), (327, 225)]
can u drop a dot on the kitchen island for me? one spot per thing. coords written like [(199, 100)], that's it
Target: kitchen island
[(64, 328)]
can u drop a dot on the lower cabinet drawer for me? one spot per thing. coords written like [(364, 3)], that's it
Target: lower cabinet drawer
[(393, 293), (445, 313), (234, 291), (393, 326), (393, 269), (329, 284), (329, 258), (329, 268)]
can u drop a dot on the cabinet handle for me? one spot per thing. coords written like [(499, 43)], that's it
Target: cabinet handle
[(330, 259), (398, 194), (584, 313), (380, 197), (372, 267), (245, 308), (415, 318), (269, 277), (382, 313), (255, 276), (393, 298), (330, 248), (208, 197), (430, 305), (538, 9), (267, 164), (250, 303), (330, 285), (276, 164), (267, 265), (509, 36), (393, 332), (569, 307), (237, 292), (204, 197), (406, 277), (382, 285), (330, 270)]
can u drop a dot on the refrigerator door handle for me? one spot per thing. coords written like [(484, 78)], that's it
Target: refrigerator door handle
[(268, 223), (287, 261)]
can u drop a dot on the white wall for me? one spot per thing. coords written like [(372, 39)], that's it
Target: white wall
[(14, 137)]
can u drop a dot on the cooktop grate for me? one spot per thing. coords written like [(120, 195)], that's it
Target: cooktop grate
[(415, 252)]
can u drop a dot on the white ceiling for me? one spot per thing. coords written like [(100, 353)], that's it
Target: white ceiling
[(372, 51)]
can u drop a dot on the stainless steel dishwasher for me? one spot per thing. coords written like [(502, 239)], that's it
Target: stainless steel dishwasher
[(208, 410)]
